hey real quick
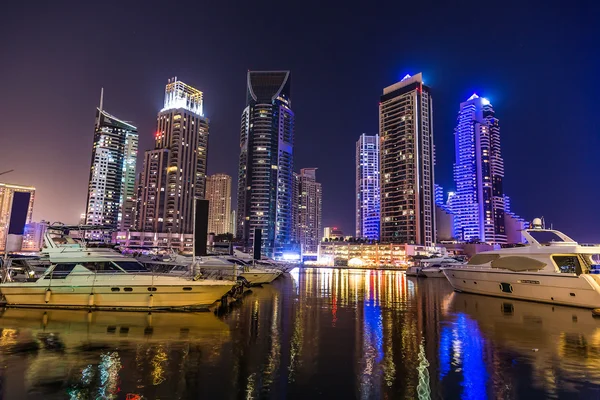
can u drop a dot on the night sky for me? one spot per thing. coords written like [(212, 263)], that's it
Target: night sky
[(537, 62)]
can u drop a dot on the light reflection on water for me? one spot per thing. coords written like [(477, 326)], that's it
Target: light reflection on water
[(324, 333)]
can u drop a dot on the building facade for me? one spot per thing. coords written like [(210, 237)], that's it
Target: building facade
[(406, 163), (111, 186), (367, 187), (218, 194), (174, 171), (7, 192), (478, 204), (309, 210), (265, 179)]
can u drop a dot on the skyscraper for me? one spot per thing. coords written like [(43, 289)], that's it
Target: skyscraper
[(309, 210), (266, 160), (175, 170), (478, 204), (367, 187), (406, 163), (218, 194), (112, 174)]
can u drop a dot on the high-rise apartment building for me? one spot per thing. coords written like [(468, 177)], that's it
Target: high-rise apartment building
[(367, 187), (265, 180), (7, 198), (308, 214), (111, 186), (218, 194), (478, 204), (175, 170), (406, 163)]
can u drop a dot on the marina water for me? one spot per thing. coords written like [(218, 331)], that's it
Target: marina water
[(315, 333)]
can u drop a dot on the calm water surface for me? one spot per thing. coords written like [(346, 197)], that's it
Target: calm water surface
[(334, 334)]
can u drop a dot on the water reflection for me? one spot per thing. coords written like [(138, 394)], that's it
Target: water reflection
[(317, 333)]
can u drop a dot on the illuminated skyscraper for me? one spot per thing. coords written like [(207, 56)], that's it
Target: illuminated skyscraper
[(265, 180), (478, 204), (308, 206), (175, 170), (218, 194), (367, 187), (406, 163), (111, 185)]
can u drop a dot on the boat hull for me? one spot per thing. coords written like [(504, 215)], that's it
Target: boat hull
[(432, 273), (565, 289), (413, 271), (103, 297), (260, 278)]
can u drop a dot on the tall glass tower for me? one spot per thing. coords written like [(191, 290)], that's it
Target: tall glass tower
[(112, 173), (265, 180), (406, 148), (367, 187), (175, 170), (478, 204)]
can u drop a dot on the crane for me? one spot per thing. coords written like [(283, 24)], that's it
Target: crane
[(6, 172)]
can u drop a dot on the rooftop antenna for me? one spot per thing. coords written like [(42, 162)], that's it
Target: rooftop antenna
[(100, 108)]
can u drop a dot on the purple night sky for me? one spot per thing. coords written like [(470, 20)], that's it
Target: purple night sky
[(537, 63)]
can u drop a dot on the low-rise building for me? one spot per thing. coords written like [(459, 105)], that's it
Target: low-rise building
[(370, 255)]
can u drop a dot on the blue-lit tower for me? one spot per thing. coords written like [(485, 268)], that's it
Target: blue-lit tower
[(478, 204), (265, 177), (367, 187)]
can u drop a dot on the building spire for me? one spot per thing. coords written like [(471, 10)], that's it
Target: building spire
[(100, 108)]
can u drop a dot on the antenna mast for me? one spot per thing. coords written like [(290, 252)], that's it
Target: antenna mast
[(100, 108)]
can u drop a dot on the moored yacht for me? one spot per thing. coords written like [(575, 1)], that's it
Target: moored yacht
[(100, 278), (550, 268), (431, 267)]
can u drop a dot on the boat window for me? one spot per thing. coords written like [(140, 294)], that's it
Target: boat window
[(60, 271), (567, 264), (131, 266), (101, 267), (545, 237)]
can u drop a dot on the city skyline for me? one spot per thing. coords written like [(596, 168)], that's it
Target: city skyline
[(69, 81)]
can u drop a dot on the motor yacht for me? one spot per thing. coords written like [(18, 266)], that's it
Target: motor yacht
[(550, 268), (100, 278), (431, 267), (217, 267)]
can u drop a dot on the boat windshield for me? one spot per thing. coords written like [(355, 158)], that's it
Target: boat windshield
[(546, 237), (131, 266)]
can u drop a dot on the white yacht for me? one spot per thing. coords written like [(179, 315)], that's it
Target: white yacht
[(219, 267), (550, 268), (100, 278), (431, 267)]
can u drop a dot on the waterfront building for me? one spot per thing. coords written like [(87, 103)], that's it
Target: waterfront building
[(367, 187), (218, 194), (406, 163), (332, 233), (233, 224), (111, 184), (372, 255), (265, 179), (478, 204), (7, 197), (174, 172), (309, 210)]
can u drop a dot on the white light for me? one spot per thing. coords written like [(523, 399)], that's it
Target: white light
[(484, 101), (291, 256)]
